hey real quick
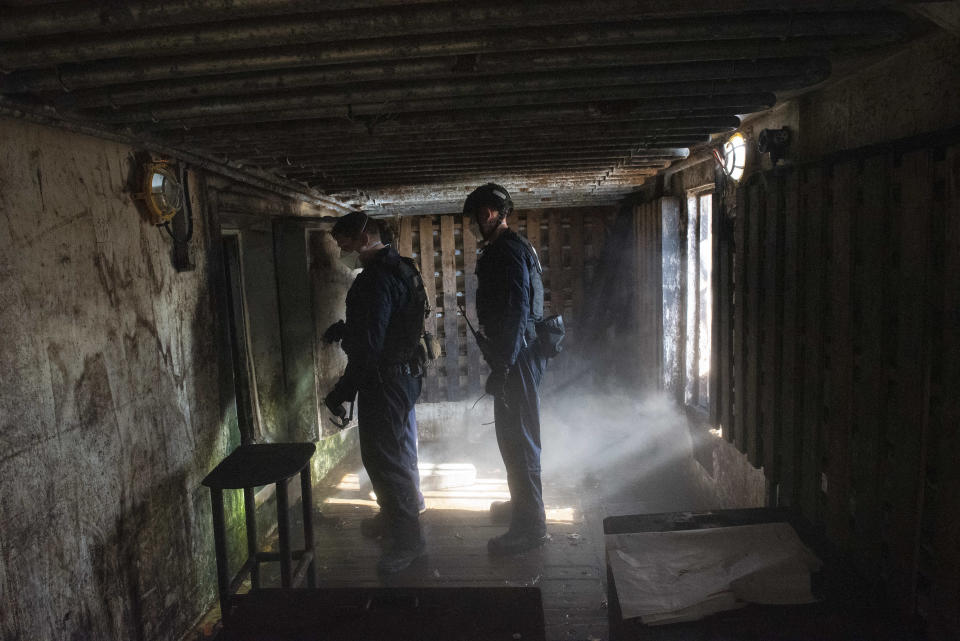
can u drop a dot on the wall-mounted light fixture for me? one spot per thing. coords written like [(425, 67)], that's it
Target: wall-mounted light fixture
[(734, 157), (161, 191)]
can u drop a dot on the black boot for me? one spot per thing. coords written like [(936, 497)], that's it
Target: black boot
[(516, 542), (374, 527), (501, 511), (397, 558)]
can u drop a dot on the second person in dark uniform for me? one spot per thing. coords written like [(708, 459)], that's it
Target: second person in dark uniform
[(509, 303), (380, 337)]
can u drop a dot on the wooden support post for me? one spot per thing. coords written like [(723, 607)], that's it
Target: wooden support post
[(250, 514), (306, 500), (283, 533), (220, 549), (405, 237)]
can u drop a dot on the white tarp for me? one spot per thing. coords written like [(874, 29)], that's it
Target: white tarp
[(664, 577)]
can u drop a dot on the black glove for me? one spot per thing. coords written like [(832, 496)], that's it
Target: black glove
[(334, 333), (335, 406), (496, 383)]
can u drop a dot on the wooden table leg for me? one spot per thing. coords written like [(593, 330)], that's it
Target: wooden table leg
[(220, 547), (283, 531), (250, 512), (306, 496)]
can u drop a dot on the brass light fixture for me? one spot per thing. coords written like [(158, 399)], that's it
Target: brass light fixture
[(161, 191)]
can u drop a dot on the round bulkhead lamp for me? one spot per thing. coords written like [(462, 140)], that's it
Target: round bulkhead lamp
[(735, 156), (161, 192)]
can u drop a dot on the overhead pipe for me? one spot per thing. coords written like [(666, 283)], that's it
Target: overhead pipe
[(347, 176), (557, 178), (602, 162), (476, 177), (559, 129), (663, 134), (461, 120), (649, 140), (559, 149), (72, 17), (422, 21)]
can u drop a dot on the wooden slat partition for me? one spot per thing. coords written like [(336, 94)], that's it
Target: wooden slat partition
[(477, 369), (754, 265), (846, 305), (451, 338), (446, 249), (428, 269), (812, 216), (723, 306), (648, 219), (840, 354), (789, 446), (738, 433), (942, 610), (908, 433), (869, 376), (771, 298)]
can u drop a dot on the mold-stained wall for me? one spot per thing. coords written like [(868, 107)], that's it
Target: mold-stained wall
[(109, 402)]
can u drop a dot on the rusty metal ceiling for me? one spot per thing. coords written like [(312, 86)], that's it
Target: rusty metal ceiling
[(402, 107)]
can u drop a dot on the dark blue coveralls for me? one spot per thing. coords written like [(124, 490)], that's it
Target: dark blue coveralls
[(504, 297), (378, 367)]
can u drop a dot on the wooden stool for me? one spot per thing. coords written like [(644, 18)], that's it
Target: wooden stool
[(245, 468)]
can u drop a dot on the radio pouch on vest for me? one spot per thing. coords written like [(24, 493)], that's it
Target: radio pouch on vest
[(550, 331), (427, 349)]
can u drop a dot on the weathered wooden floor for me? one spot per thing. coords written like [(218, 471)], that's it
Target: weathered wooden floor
[(459, 487)]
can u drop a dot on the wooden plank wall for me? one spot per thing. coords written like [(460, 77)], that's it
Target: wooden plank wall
[(842, 329), (648, 219), (568, 241)]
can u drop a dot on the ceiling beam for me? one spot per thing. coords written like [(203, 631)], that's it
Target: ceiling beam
[(370, 19), (645, 64), (522, 89), (721, 38)]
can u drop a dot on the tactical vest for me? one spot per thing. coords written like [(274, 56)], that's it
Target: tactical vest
[(536, 280), (410, 323)]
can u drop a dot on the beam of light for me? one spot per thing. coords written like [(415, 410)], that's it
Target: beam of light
[(446, 486), (349, 482), (334, 500)]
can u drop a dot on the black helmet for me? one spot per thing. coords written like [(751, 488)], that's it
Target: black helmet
[(489, 195), (350, 225)]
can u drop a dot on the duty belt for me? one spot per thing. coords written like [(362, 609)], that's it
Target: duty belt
[(397, 369)]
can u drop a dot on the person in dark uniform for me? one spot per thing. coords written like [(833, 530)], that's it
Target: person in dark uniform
[(509, 303), (380, 340)]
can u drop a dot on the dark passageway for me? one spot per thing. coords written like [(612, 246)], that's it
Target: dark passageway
[(745, 211)]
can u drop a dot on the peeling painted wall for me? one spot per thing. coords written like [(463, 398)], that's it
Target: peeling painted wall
[(109, 406)]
